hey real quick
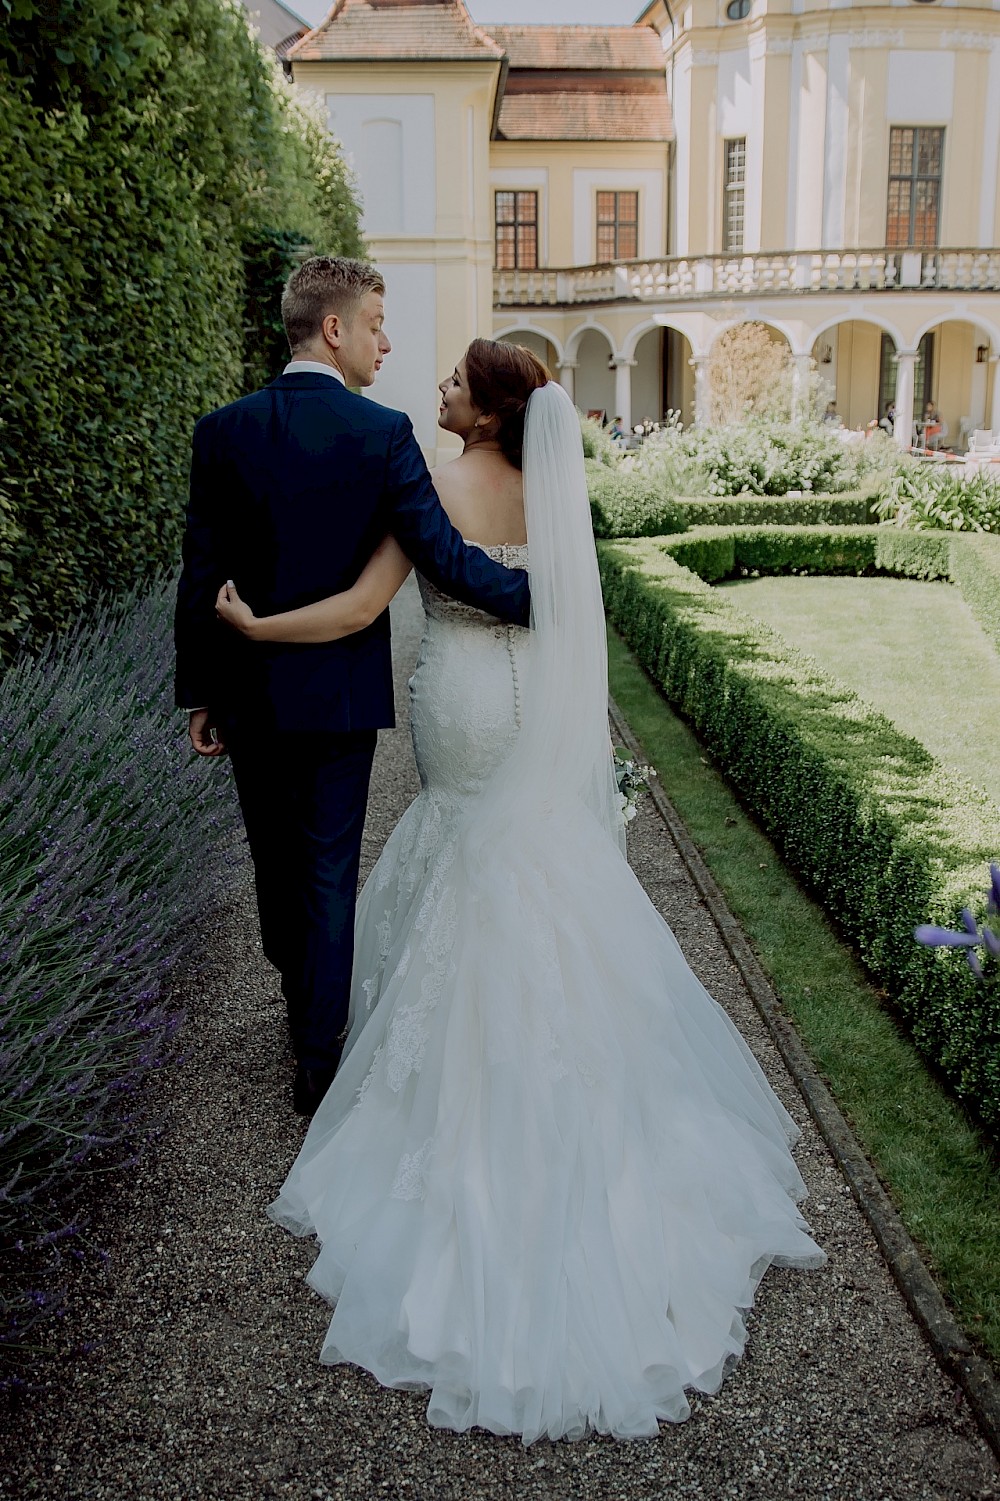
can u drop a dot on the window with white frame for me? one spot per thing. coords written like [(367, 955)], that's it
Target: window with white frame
[(733, 192)]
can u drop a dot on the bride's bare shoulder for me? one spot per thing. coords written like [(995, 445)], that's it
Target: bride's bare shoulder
[(447, 477)]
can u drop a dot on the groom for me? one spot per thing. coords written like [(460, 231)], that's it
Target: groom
[(292, 489)]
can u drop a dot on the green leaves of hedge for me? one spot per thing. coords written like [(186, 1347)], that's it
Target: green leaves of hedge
[(148, 156), (884, 836)]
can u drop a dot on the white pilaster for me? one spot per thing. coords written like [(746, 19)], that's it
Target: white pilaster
[(906, 361), (623, 390), (800, 387), (995, 402), (567, 377), (699, 364)]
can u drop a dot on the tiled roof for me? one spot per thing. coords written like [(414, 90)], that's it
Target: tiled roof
[(396, 31), (633, 48), (283, 48), (576, 116)]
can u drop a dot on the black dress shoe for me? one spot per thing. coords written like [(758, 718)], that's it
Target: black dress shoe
[(309, 1086)]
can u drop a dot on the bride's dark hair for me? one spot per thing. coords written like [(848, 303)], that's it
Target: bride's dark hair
[(501, 378)]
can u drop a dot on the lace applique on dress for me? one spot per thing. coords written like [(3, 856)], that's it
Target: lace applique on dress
[(409, 1180), (438, 921)]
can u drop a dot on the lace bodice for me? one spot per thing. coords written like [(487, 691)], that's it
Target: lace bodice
[(465, 694), (439, 606)]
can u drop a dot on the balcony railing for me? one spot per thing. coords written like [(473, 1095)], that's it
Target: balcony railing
[(765, 273)]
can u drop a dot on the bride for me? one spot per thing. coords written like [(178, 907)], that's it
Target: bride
[(549, 1173)]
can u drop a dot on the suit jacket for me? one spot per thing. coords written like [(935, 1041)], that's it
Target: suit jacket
[(292, 488)]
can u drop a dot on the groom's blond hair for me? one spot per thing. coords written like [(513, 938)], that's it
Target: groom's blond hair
[(322, 285)]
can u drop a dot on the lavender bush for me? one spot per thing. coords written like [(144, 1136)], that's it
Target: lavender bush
[(112, 835)]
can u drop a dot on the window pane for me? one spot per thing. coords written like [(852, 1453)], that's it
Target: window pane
[(505, 253), (929, 153), (628, 208), (628, 242), (925, 215), (505, 208), (900, 152), (897, 229), (527, 246), (605, 242)]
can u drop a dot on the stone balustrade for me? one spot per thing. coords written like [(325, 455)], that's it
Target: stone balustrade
[(753, 275)]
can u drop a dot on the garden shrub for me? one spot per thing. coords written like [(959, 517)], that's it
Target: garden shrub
[(719, 552), (111, 834), (626, 504), (917, 555), (975, 568), (147, 154), (755, 457), (885, 836), (853, 509), (710, 552), (598, 443), (924, 496)]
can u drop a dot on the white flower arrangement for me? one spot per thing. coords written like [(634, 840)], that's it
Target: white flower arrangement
[(632, 780)]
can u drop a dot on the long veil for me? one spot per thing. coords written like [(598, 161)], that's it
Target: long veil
[(562, 762)]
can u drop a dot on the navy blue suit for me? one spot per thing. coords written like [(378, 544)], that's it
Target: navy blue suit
[(292, 489)]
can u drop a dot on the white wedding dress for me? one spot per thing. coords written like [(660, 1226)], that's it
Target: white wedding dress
[(549, 1173)]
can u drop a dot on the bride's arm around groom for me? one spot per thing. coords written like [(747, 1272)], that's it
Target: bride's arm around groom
[(293, 489)]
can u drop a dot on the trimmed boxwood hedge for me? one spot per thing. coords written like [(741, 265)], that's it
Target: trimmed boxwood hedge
[(623, 504), (970, 560), (714, 552), (847, 509), (885, 836)]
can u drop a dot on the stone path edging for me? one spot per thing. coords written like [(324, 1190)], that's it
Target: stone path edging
[(949, 1343)]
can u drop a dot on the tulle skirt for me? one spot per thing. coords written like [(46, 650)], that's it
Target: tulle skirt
[(549, 1174)]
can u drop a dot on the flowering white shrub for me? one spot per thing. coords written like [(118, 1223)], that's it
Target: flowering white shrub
[(755, 457)]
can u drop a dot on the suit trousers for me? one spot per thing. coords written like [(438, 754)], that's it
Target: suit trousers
[(303, 799)]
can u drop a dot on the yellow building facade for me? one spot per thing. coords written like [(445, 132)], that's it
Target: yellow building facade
[(617, 197)]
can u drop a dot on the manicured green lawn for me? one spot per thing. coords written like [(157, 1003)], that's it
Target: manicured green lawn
[(912, 649), (922, 1146)]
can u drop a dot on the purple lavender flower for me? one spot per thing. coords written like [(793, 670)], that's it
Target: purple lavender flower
[(97, 903), (971, 936)]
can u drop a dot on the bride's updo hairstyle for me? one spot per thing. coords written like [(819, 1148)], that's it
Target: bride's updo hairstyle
[(501, 378)]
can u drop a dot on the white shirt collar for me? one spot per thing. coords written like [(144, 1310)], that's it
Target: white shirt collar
[(312, 367)]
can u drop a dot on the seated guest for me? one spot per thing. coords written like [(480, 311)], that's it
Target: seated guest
[(934, 428)]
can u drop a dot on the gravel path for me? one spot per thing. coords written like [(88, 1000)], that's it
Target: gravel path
[(206, 1382)]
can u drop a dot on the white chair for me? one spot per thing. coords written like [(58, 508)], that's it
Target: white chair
[(982, 443)]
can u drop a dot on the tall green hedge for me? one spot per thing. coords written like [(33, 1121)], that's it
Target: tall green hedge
[(884, 835), (147, 154)]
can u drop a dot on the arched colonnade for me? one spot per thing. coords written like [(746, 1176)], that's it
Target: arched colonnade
[(637, 363)]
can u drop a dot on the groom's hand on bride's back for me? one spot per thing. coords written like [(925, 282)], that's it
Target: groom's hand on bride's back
[(204, 734)]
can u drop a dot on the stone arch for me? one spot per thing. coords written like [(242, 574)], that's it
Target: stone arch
[(962, 384), (579, 333), (591, 349), (876, 319), (848, 355), (537, 331), (771, 323)]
